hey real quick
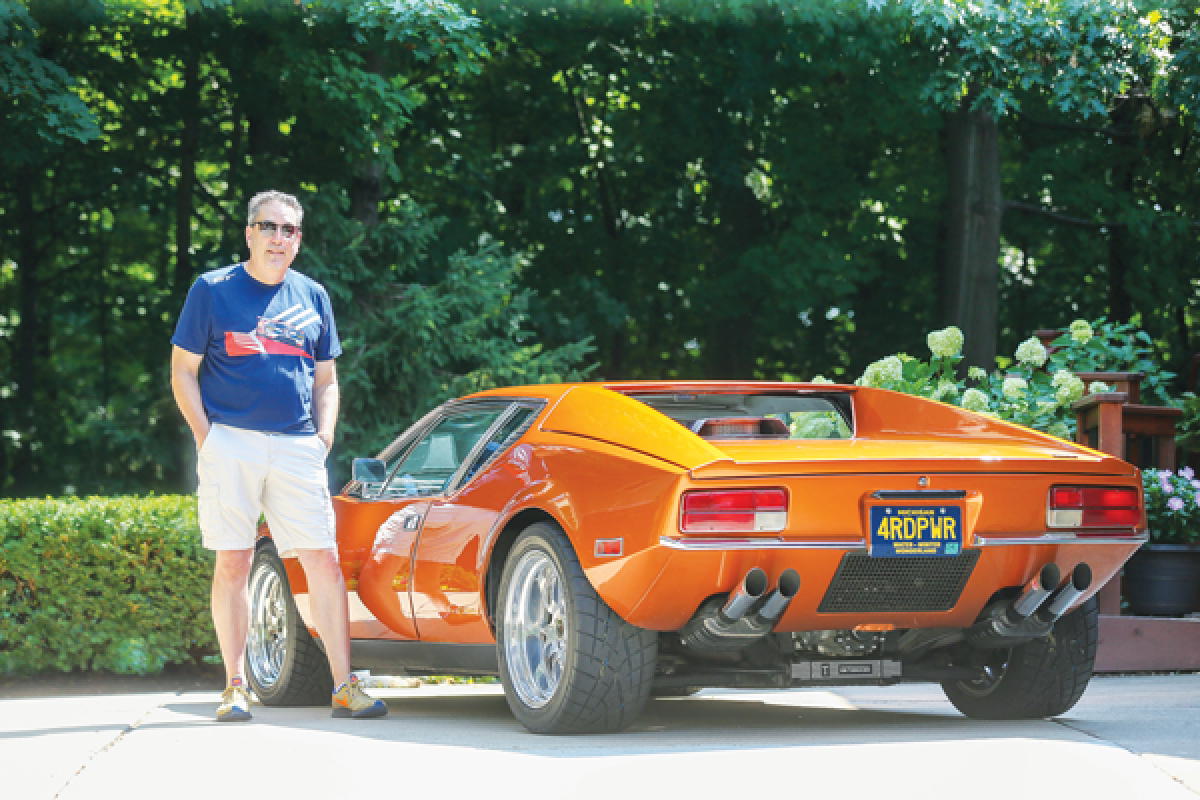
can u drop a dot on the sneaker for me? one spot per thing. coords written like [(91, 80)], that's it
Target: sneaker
[(235, 703), (349, 700)]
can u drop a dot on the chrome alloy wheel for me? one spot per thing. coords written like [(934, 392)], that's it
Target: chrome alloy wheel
[(266, 646), (535, 629)]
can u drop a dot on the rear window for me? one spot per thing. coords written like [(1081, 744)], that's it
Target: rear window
[(758, 416)]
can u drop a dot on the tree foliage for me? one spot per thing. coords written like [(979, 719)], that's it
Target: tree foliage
[(750, 189)]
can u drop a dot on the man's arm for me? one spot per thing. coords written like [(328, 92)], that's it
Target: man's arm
[(325, 401), (185, 384)]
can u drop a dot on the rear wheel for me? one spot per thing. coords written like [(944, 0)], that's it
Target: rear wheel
[(568, 663), (1042, 678), (284, 664)]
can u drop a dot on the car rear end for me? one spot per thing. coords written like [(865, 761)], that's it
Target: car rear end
[(870, 524)]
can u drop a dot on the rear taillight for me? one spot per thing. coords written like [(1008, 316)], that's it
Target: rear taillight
[(1093, 507), (734, 510)]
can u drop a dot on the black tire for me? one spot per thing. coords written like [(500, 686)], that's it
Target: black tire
[(1042, 678), (285, 666), (605, 665)]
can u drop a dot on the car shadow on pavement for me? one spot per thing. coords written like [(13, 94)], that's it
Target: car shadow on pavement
[(667, 725)]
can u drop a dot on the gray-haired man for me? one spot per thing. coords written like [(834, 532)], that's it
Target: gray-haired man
[(253, 372)]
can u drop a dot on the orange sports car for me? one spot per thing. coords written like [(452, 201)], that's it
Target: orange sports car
[(597, 545)]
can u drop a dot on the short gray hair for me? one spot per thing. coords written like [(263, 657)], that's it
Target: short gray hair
[(272, 196)]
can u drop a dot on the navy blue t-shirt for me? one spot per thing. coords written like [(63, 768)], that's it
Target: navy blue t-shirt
[(260, 345)]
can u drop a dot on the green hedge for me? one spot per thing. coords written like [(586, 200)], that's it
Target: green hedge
[(112, 583)]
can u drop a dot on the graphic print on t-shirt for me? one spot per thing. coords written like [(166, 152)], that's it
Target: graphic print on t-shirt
[(280, 335)]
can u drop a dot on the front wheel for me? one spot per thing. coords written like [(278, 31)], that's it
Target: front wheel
[(568, 663), (1042, 678), (284, 664)]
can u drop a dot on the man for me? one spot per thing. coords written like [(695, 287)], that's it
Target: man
[(263, 418)]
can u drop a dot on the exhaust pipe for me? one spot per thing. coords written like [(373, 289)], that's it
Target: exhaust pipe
[(780, 598), (1016, 623), (747, 593), (1035, 593), (729, 627), (1081, 581)]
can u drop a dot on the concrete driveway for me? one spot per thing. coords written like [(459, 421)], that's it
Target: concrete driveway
[(1130, 737)]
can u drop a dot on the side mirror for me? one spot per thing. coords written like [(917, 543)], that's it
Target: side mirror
[(369, 470)]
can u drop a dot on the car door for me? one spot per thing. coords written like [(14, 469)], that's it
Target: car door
[(379, 529), (447, 591)]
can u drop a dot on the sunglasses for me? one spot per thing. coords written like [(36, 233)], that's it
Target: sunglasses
[(271, 228)]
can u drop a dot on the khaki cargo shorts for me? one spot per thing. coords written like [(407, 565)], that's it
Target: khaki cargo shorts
[(244, 473)]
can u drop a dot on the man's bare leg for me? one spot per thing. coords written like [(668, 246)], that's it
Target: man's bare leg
[(327, 598), (231, 608)]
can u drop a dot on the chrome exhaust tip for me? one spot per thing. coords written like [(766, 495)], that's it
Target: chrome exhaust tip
[(747, 593), (1036, 591), (1080, 582), (781, 597)]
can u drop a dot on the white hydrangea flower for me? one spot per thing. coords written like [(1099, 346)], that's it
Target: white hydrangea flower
[(976, 373), (1014, 387), (1032, 352), (945, 343), (820, 379), (882, 371), (1070, 391), (945, 389), (1061, 378), (891, 369), (975, 400), (1098, 387), (1081, 331), (1059, 429)]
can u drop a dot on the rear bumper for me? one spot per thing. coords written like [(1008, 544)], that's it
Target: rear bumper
[(679, 574)]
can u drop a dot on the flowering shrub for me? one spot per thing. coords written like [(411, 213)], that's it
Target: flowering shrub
[(1103, 346), (1037, 390), (1025, 394), (1172, 509)]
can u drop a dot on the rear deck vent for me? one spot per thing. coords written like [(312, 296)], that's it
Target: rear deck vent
[(865, 584)]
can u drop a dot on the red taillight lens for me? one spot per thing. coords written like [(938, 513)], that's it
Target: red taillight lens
[(734, 511), (1093, 507)]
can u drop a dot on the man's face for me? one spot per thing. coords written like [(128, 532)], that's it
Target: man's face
[(273, 249)]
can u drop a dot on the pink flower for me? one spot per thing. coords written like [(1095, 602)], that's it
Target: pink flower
[(1175, 504), (1164, 482), (1187, 473), (1196, 484)]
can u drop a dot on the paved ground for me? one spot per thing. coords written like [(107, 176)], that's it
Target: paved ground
[(1130, 737)]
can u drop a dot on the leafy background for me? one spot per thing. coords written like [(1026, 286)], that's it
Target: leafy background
[(538, 191)]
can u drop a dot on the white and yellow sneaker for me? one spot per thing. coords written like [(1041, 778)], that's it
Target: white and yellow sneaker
[(235, 703), (349, 700)]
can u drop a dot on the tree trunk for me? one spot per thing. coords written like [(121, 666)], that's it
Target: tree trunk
[(188, 143), (975, 211), (29, 337)]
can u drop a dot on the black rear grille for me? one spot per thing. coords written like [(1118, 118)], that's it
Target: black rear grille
[(922, 583)]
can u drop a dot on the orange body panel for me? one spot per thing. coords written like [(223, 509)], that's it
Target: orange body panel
[(607, 466)]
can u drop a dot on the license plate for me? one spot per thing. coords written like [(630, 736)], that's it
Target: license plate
[(900, 531)]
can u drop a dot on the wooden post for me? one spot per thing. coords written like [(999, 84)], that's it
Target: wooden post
[(1098, 422), (1098, 425)]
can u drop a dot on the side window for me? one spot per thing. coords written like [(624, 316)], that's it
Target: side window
[(434, 460), (508, 433)]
